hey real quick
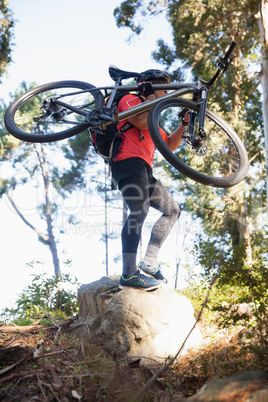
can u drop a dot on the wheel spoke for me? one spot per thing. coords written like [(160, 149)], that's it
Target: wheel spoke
[(39, 115), (36, 109), (218, 159)]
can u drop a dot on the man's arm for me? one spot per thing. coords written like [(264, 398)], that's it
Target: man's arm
[(140, 120), (175, 139)]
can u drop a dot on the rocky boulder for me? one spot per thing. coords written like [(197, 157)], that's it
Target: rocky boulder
[(136, 323), (246, 386)]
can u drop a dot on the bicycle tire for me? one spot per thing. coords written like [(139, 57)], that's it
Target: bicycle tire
[(20, 115), (222, 159)]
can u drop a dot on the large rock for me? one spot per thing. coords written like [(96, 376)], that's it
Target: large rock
[(246, 386), (136, 323)]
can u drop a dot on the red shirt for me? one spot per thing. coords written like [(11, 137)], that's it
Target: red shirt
[(131, 146)]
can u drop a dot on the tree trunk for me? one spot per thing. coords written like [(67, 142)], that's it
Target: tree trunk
[(243, 220), (48, 211), (244, 229), (262, 19), (42, 235)]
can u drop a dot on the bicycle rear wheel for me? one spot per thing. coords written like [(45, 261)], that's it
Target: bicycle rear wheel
[(219, 161), (31, 117)]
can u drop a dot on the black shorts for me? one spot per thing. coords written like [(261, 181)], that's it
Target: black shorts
[(128, 168)]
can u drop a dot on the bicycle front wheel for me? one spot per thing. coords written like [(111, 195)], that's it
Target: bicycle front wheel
[(37, 116), (220, 160)]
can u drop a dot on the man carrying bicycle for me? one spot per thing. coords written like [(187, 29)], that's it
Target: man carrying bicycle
[(132, 172)]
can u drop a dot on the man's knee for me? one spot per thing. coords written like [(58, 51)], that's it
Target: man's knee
[(174, 212)]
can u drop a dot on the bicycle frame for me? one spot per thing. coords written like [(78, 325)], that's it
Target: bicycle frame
[(60, 110), (180, 90), (106, 115), (199, 89), (109, 116)]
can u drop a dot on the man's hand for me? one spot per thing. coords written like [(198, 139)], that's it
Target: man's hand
[(185, 117), (175, 138), (145, 89)]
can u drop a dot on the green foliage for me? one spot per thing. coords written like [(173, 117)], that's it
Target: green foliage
[(239, 297), (8, 143), (56, 296), (237, 285), (201, 34), (125, 13), (13, 150), (197, 27), (7, 24)]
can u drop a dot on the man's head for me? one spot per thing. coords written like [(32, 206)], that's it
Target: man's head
[(154, 76)]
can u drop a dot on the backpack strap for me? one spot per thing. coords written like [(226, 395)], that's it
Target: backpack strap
[(112, 151), (127, 126)]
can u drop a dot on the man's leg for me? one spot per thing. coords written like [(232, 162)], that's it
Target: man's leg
[(135, 191), (163, 201)]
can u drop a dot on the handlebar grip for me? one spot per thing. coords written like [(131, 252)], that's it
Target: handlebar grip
[(229, 51)]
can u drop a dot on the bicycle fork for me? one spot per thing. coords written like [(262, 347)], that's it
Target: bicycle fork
[(196, 137), (202, 114)]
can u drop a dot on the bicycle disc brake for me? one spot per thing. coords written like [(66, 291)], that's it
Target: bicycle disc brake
[(196, 145)]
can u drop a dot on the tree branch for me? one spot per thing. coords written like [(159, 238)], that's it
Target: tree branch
[(42, 235)]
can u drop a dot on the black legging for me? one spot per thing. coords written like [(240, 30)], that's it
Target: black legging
[(139, 194)]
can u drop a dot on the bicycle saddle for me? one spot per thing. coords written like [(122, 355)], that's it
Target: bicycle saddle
[(116, 73)]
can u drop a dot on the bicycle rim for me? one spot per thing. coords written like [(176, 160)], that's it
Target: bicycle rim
[(219, 161), (27, 119)]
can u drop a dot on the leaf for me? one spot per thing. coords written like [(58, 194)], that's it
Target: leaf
[(76, 395)]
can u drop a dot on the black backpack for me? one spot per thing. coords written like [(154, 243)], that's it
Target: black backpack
[(107, 143)]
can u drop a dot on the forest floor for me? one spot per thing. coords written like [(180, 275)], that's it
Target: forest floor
[(49, 363)]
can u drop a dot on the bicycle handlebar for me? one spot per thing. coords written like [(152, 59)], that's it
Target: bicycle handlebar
[(222, 65), (229, 51)]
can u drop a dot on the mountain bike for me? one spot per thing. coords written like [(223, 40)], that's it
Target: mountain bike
[(210, 153)]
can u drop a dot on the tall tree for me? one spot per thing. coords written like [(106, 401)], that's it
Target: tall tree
[(201, 31), (30, 158), (205, 27), (47, 208), (262, 20), (37, 159), (7, 24)]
